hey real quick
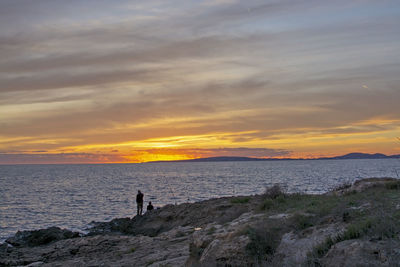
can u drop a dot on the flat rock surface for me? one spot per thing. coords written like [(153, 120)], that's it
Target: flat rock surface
[(107, 250)]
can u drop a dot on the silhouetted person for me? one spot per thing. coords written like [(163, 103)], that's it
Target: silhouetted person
[(139, 202), (150, 207)]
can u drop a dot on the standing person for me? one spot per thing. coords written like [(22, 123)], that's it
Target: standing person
[(139, 202), (150, 206)]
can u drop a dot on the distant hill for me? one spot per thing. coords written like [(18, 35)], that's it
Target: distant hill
[(227, 158), (362, 156), (215, 159), (219, 159)]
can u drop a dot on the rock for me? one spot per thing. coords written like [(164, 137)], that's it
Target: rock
[(35, 264), (217, 232), (362, 185), (168, 248), (362, 253), (4, 246), (362, 207), (280, 216), (161, 237), (293, 249), (218, 245), (227, 251), (170, 216), (40, 237)]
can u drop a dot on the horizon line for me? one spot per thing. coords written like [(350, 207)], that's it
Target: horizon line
[(337, 157)]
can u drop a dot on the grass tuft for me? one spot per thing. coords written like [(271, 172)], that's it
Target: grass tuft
[(211, 230), (301, 222), (394, 185), (240, 200), (266, 204), (263, 242)]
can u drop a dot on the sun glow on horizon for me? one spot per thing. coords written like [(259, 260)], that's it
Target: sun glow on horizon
[(151, 83), (301, 143)]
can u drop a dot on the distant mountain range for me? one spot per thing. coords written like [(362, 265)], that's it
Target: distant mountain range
[(365, 156), (347, 156)]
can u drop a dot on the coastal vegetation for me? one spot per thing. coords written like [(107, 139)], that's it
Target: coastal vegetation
[(370, 213), (353, 223)]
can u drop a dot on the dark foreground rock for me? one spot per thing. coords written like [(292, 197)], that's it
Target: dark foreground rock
[(157, 221), (40, 237), (360, 226)]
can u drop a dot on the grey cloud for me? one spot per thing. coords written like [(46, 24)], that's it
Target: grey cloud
[(278, 110), (70, 158), (251, 152), (25, 14), (360, 129), (208, 47), (56, 81), (237, 151), (44, 96), (167, 50), (64, 158), (194, 48)]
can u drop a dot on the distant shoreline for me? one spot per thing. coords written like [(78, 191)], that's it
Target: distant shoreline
[(222, 159), (228, 158)]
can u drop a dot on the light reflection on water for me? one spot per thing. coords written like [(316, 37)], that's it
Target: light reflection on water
[(71, 196)]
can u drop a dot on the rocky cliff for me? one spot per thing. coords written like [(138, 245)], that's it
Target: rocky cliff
[(354, 225)]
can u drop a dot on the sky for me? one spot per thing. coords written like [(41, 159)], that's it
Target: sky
[(101, 81)]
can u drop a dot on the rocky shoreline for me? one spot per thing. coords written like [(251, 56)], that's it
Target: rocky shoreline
[(356, 224)]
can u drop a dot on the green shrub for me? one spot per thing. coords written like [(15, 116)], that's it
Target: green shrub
[(396, 215), (322, 207), (354, 231), (211, 230), (394, 185), (196, 251), (323, 248), (263, 242), (273, 192), (318, 252), (346, 216), (240, 200), (386, 227), (301, 222), (281, 199), (267, 204)]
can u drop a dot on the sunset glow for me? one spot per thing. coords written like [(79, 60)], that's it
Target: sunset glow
[(137, 81)]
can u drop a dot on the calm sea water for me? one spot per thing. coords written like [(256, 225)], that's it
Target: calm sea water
[(71, 196)]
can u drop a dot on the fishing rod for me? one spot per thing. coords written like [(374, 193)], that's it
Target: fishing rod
[(172, 192)]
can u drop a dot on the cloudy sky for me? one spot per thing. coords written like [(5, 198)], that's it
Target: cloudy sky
[(132, 81)]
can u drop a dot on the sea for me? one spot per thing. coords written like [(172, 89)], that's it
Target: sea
[(73, 196)]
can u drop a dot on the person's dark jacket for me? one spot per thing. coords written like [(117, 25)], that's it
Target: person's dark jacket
[(139, 198)]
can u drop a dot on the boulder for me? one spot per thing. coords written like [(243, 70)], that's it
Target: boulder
[(294, 247), (358, 252), (40, 237)]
